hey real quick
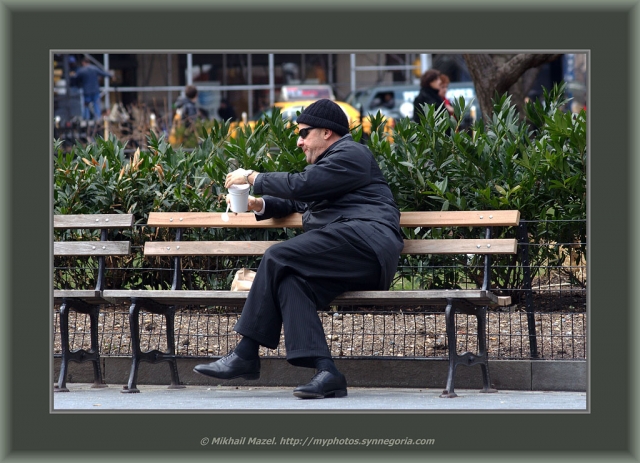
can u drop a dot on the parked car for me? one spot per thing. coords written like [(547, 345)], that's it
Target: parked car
[(396, 100)]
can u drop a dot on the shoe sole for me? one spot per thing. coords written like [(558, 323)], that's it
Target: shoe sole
[(248, 376), (326, 395)]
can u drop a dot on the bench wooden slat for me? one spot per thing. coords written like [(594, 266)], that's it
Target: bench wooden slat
[(237, 298), (256, 248), (179, 297), (206, 248), (460, 218), (91, 248), (461, 246), (417, 297), (407, 219), (90, 296), (92, 221), (214, 220)]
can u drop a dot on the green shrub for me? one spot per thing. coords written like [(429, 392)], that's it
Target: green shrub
[(536, 166)]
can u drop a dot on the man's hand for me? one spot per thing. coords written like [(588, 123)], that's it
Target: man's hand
[(237, 177), (254, 204)]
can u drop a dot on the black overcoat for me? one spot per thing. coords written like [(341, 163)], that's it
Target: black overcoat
[(351, 242)]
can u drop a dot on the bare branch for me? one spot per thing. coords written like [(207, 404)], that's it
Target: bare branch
[(493, 74), (509, 73)]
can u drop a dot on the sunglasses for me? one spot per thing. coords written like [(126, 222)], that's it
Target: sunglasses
[(304, 133)]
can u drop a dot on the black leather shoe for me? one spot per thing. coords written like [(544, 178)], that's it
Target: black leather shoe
[(230, 367), (323, 384)]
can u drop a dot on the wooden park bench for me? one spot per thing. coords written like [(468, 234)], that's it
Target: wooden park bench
[(468, 301), (86, 301)]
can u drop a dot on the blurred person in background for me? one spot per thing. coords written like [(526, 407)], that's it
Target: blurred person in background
[(430, 83), (444, 87), (226, 111), (87, 78), (188, 106)]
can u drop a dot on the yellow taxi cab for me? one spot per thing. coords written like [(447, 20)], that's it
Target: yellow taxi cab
[(294, 98), (290, 109)]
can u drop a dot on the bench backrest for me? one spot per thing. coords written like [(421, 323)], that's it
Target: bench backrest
[(101, 248), (407, 219), (183, 220)]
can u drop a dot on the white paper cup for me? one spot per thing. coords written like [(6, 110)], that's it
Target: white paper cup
[(239, 197)]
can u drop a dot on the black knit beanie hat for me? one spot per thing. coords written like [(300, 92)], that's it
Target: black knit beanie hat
[(325, 114)]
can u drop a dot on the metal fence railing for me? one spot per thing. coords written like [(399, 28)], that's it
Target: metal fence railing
[(354, 334)]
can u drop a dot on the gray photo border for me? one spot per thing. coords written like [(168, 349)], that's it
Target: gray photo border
[(31, 28)]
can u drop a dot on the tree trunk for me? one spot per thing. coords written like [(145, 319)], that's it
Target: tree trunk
[(496, 74)]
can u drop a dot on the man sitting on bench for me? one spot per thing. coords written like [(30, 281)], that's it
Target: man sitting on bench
[(351, 242)]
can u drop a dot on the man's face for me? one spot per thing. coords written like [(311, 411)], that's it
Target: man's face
[(315, 143)]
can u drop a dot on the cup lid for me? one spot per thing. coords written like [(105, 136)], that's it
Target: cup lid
[(242, 187)]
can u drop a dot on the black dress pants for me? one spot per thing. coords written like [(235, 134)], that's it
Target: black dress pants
[(298, 277)]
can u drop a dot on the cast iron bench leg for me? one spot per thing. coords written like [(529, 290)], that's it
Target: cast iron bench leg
[(94, 316), (136, 352), (171, 348), (481, 315), (450, 316), (153, 356), (481, 358), (64, 338), (79, 355)]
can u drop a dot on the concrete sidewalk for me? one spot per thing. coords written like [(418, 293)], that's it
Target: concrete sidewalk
[(246, 398)]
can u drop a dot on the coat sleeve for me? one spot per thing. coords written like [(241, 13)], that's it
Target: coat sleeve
[(331, 177), (277, 207)]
